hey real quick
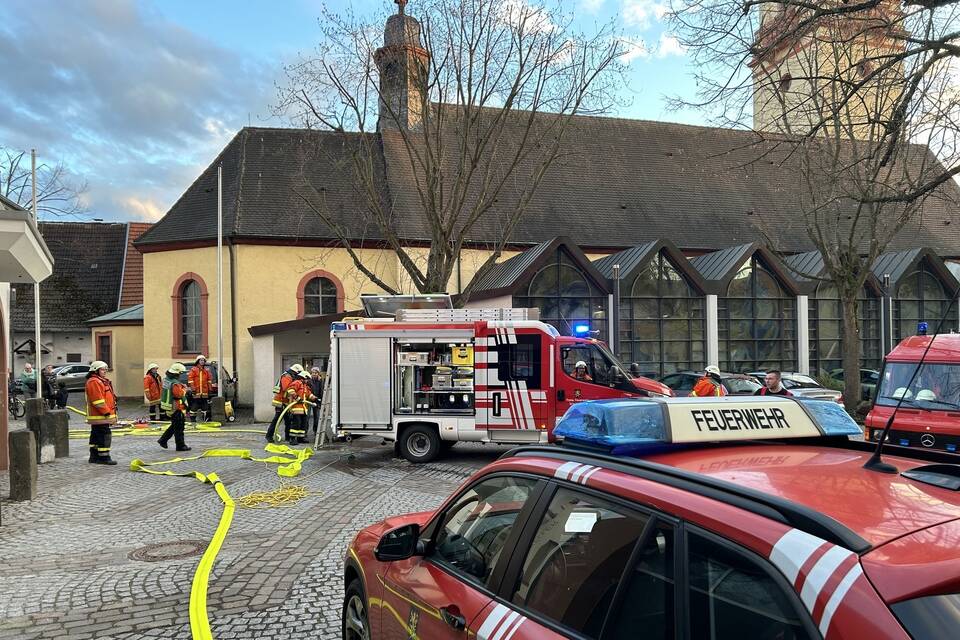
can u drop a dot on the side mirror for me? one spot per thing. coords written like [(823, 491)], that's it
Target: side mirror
[(398, 544), (634, 369)]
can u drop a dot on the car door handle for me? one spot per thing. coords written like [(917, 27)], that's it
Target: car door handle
[(561, 395), (496, 404), (451, 615)]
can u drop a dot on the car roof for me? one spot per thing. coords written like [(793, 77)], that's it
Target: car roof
[(878, 507), (945, 349), (865, 508)]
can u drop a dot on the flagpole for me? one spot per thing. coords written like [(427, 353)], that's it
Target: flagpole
[(38, 368), (221, 380)]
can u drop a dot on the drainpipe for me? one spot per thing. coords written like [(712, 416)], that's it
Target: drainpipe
[(886, 326), (615, 312), (803, 335), (233, 317)]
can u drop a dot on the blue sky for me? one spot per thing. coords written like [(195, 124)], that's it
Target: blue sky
[(137, 97)]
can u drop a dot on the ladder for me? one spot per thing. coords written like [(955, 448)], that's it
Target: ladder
[(325, 424)]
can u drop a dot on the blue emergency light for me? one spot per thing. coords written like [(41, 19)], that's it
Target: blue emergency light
[(922, 328), (338, 326), (581, 330), (633, 426)]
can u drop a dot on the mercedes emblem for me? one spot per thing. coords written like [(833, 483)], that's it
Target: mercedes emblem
[(927, 440)]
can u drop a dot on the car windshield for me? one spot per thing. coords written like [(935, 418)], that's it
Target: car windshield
[(936, 386), (797, 381), (741, 385)]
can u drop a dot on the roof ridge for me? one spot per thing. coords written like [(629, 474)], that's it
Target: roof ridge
[(238, 202)]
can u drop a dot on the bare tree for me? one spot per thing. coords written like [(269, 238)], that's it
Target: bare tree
[(57, 193), (859, 98), (471, 103)]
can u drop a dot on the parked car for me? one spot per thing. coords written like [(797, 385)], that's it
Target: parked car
[(73, 376), (635, 530), (869, 379), (802, 386), (736, 384)]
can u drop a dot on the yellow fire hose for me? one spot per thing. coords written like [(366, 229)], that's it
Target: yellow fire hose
[(289, 467)]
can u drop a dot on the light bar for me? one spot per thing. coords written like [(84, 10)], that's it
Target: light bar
[(626, 425)]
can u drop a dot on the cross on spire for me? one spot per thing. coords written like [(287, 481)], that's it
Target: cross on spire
[(402, 4)]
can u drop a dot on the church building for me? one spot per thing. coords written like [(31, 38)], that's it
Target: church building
[(668, 216)]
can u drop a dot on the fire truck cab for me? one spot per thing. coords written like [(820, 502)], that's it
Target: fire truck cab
[(929, 414), (429, 384)]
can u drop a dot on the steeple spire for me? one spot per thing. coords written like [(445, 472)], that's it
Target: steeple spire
[(402, 62)]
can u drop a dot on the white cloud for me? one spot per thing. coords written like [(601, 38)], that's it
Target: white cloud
[(145, 209), (642, 13), (633, 50), (591, 6), (669, 46)]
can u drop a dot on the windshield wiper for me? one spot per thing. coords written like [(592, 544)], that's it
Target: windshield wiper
[(909, 401)]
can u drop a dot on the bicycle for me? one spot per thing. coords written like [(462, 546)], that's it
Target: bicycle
[(15, 403)]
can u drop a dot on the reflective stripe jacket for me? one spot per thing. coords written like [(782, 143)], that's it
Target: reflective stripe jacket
[(706, 387), (151, 389), (101, 401), (200, 381), (280, 389), (299, 389), (174, 395)]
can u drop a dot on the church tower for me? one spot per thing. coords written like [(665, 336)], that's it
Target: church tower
[(796, 77), (402, 62)]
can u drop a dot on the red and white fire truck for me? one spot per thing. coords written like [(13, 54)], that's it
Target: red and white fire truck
[(434, 377), (929, 399)]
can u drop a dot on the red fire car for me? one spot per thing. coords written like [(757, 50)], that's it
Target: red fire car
[(675, 518)]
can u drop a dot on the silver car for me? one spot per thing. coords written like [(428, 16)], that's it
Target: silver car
[(803, 386), (72, 376)]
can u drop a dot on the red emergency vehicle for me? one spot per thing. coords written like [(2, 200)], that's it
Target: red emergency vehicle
[(427, 385), (689, 518), (929, 415)]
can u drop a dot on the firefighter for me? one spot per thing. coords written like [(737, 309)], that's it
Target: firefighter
[(298, 393), (279, 394), (101, 412), (709, 384), (580, 372), (152, 386), (201, 384), (174, 402)]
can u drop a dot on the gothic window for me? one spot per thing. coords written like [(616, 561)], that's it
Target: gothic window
[(757, 323), (662, 321)]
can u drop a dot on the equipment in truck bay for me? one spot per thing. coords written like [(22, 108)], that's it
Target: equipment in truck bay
[(434, 377)]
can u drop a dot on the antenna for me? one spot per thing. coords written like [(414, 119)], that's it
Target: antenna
[(875, 463)]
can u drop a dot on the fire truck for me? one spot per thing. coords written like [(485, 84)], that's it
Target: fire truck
[(929, 399), (429, 378)]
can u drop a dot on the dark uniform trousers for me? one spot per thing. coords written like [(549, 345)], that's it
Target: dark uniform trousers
[(296, 426), (100, 439), (175, 430)]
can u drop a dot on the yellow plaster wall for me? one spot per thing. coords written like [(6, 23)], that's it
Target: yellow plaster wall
[(161, 271), (126, 356), (267, 279)]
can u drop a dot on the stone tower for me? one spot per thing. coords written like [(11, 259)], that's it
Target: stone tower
[(402, 62), (793, 81)]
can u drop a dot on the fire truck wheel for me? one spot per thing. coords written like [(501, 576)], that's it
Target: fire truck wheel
[(420, 443)]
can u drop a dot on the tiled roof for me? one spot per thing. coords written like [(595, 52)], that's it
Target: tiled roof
[(131, 290), (266, 175), (86, 276), (617, 183)]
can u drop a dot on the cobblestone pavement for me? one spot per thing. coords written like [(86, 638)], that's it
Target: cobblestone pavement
[(66, 569)]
